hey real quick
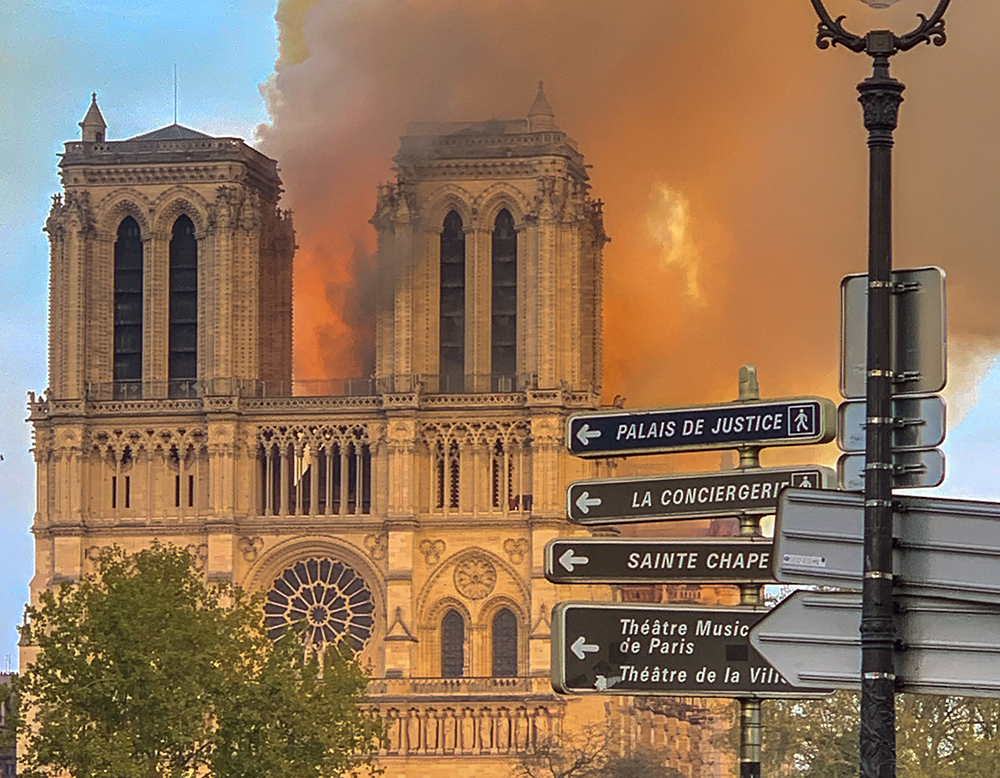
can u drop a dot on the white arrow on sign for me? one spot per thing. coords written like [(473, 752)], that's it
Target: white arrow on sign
[(569, 561), (585, 434), (581, 647), (946, 646), (585, 502)]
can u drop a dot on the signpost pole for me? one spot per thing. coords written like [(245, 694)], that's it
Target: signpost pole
[(750, 594), (880, 96)]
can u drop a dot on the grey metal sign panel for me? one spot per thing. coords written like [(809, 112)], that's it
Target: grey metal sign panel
[(689, 495), (947, 647), (910, 469), (920, 423), (621, 560), (941, 548), (919, 358), (613, 648), (789, 421)]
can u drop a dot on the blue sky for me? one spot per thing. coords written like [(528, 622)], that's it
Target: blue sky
[(52, 56)]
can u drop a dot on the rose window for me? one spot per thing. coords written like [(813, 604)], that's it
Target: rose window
[(475, 577), (324, 598)]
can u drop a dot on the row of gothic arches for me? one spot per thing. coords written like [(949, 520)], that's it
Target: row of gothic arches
[(129, 304), (452, 301)]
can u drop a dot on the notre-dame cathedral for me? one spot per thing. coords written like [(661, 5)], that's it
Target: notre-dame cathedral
[(407, 512)]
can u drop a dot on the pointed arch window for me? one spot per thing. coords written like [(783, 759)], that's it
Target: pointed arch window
[(504, 636), (183, 333), (127, 365), (503, 333), (452, 305), (452, 645)]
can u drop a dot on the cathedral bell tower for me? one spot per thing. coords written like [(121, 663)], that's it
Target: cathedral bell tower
[(488, 335), (490, 255), (170, 301), (410, 521), (170, 268)]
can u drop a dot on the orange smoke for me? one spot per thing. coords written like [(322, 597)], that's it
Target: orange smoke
[(728, 149)]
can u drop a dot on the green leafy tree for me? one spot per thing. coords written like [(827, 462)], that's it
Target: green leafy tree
[(594, 752), (9, 721), (144, 671), (811, 738), (936, 737)]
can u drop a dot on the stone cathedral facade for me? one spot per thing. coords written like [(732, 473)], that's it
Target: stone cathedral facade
[(408, 513)]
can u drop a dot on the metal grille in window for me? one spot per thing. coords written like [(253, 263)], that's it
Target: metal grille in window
[(504, 644), (452, 305), (454, 482), (326, 599), (502, 487), (504, 315), (452, 645), (128, 307), (449, 465), (182, 367)]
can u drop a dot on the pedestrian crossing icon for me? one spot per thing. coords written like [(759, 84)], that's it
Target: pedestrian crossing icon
[(802, 420), (805, 480)]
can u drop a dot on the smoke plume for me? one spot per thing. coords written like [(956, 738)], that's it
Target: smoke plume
[(728, 149)]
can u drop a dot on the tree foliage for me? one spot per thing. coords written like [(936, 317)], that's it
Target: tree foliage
[(593, 753), (143, 670), (936, 737)]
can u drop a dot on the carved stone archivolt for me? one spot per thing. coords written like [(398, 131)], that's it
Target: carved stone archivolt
[(319, 437), (476, 433), (475, 576), (180, 200), (117, 442)]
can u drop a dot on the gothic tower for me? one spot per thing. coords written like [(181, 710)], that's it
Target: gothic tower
[(170, 296), (409, 518), (171, 267), (514, 302), (489, 251)]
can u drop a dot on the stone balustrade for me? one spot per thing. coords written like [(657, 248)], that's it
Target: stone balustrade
[(466, 716)]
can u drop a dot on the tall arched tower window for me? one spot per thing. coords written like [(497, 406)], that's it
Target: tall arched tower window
[(452, 645), (452, 354), (504, 320), (504, 634), (183, 335), (128, 310)]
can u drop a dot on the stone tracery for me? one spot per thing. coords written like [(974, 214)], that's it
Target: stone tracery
[(314, 469), (325, 598)]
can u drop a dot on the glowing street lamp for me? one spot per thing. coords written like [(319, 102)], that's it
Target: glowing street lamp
[(880, 96)]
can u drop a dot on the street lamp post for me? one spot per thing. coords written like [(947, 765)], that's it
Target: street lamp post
[(880, 96)]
